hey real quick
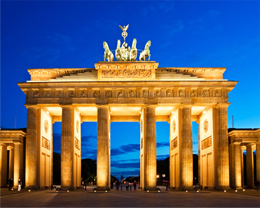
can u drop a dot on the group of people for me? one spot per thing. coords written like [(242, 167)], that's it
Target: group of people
[(11, 184), (126, 185)]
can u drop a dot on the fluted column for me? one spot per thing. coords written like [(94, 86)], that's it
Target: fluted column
[(11, 162), (249, 166), (3, 165), (31, 147), (186, 153), (222, 153), (258, 162), (150, 161), (67, 147), (17, 164), (237, 166), (103, 126)]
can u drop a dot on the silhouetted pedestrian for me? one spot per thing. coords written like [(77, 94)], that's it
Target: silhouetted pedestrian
[(134, 185), (117, 185), (19, 184), (127, 185), (11, 184)]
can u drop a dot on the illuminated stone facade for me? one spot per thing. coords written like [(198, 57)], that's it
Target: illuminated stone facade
[(129, 91)]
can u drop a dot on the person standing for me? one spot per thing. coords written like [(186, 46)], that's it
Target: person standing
[(11, 184), (19, 184), (135, 185)]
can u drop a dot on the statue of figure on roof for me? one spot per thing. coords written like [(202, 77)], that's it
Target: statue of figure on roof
[(146, 52), (124, 52), (107, 54)]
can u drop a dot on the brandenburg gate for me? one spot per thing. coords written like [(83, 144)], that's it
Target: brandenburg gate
[(128, 90)]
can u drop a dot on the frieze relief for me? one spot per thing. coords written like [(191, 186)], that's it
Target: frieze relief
[(145, 93), (60, 94), (169, 93), (126, 73), (205, 93), (47, 94), (72, 93), (205, 143), (120, 94), (96, 94), (84, 93), (36, 94), (77, 144), (174, 143), (217, 93), (46, 143), (132, 93), (108, 93), (193, 93), (181, 93), (157, 93)]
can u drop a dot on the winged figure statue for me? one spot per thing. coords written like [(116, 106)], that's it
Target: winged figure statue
[(124, 29)]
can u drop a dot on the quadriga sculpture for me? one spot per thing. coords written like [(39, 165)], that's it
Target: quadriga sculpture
[(133, 53), (118, 51), (146, 52), (107, 54)]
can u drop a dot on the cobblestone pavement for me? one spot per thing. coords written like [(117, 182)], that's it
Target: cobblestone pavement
[(138, 198)]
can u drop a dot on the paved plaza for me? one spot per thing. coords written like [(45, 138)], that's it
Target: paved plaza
[(138, 198)]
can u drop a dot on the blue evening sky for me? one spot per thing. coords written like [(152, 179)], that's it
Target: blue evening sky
[(70, 34)]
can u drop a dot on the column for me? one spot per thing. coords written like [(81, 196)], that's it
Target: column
[(31, 147), (237, 166), (222, 154), (150, 162), (186, 154), (3, 165), (249, 166), (17, 164), (11, 162), (103, 124), (67, 147), (258, 162), (242, 165)]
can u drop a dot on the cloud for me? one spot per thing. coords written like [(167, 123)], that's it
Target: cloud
[(162, 157), (162, 144), (124, 149), (125, 165)]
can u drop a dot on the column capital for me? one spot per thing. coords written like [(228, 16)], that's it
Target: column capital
[(102, 106), (149, 105), (10, 147), (66, 106), (185, 106), (221, 105), (36, 107)]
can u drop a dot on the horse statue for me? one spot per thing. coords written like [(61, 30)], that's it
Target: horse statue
[(133, 52), (118, 51), (146, 52), (107, 54)]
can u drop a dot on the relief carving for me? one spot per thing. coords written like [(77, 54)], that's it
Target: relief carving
[(205, 93), (96, 94), (145, 93), (174, 126), (48, 94), (181, 93), (217, 93), (174, 143), (36, 94), (46, 143), (83, 93), (46, 126), (108, 94), (71, 93), (77, 145), (193, 93), (132, 93), (168, 93), (126, 73), (157, 93), (206, 143), (120, 94), (77, 126), (206, 125), (60, 94)]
